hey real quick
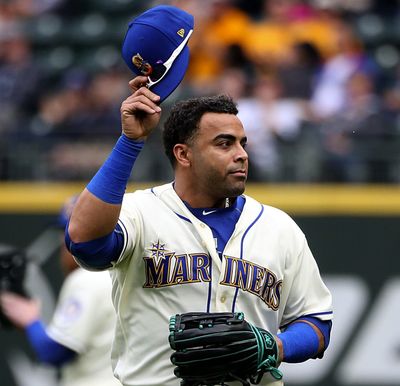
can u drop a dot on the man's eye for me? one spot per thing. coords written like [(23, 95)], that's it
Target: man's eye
[(224, 144)]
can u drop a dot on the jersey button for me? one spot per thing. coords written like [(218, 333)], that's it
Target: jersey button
[(223, 299), (202, 225)]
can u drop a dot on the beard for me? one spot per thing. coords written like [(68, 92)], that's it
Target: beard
[(221, 187)]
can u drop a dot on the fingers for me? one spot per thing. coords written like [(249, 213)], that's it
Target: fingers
[(8, 297), (11, 302), (138, 82), (19, 310), (143, 100), (140, 112), (148, 94), (7, 302)]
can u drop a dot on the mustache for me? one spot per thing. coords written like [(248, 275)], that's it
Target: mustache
[(243, 171)]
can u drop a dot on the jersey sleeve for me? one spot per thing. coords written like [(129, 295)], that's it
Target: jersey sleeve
[(307, 295), (47, 350), (130, 224), (79, 310)]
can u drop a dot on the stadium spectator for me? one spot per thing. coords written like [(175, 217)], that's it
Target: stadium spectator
[(354, 141), (68, 116), (285, 23), (19, 76), (220, 29), (329, 94), (273, 123)]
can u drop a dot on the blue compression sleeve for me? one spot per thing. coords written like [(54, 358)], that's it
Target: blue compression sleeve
[(97, 254), (47, 350), (109, 183), (324, 326), (300, 341)]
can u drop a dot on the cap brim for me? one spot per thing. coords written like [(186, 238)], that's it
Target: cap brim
[(174, 76)]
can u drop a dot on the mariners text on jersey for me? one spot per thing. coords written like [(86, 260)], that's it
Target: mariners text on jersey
[(166, 269)]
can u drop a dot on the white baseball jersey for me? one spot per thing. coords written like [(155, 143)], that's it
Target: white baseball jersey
[(84, 321), (169, 265)]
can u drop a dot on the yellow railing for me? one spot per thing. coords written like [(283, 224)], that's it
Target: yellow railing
[(297, 199)]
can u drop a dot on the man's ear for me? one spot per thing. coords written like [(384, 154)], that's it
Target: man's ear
[(182, 154)]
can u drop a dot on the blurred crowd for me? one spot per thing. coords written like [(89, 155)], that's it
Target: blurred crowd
[(317, 85)]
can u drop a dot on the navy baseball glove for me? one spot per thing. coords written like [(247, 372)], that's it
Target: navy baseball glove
[(214, 348)]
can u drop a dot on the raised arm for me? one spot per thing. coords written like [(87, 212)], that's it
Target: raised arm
[(97, 210)]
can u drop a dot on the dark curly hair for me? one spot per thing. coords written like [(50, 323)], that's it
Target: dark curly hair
[(183, 122)]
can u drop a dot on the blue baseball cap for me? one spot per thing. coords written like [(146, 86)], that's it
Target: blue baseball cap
[(155, 45)]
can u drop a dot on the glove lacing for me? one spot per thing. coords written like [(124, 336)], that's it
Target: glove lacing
[(268, 364)]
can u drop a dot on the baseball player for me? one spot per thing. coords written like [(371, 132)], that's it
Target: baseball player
[(196, 244), (79, 336)]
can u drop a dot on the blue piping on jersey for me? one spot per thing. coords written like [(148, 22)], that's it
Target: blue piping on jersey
[(321, 313), (241, 251), (182, 217), (179, 215), (210, 283), (308, 315), (126, 234), (209, 288)]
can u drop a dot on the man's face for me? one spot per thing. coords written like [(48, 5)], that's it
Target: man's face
[(219, 160)]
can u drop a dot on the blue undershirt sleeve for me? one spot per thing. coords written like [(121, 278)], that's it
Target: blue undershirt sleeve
[(325, 326), (300, 341), (46, 349), (109, 183), (98, 254)]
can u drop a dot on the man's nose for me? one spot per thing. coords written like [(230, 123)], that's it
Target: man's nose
[(241, 154)]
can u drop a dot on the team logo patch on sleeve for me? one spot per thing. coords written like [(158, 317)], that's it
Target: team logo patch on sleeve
[(69, 311)]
